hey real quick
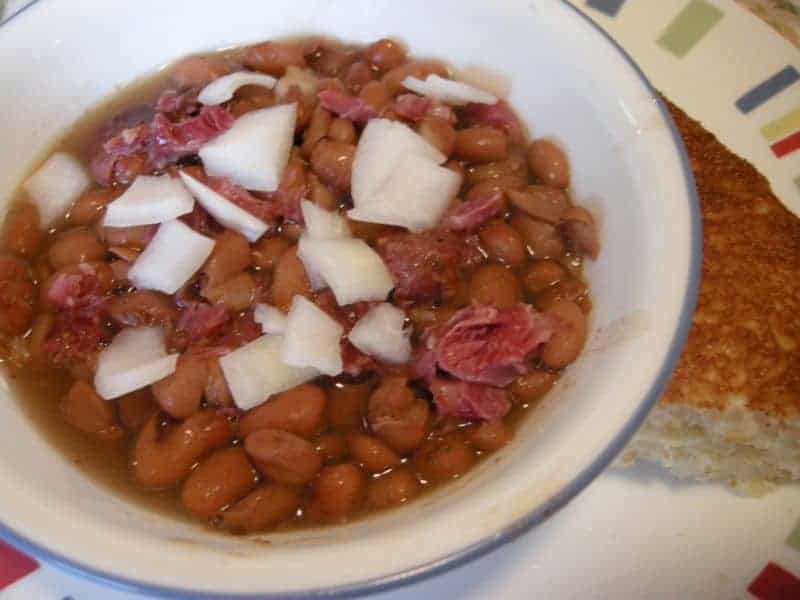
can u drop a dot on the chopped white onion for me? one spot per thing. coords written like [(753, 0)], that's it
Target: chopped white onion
[(312, 338), (135, 358), (223, 88), (488, 80), (302, 78), (174, 254), (150, 199), (271, 319), (381, 146), (254, 152), (448, 91), (415, 196), (255, 372), (55, 186), (352, 269), (381, 333), (224, 211), (323, 224)]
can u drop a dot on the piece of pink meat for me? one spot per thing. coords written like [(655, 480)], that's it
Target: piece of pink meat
[(470, 215), (346, 106), (464, 400), (485, 344)]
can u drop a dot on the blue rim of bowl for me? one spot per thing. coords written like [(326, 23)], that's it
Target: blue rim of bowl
[(515, 529)]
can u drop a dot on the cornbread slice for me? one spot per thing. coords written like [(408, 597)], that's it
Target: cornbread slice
[(732, 409)]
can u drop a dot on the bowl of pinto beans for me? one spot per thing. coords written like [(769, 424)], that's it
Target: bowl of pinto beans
[(302, 299)]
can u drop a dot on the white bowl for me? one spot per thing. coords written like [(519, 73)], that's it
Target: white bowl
[(569, 81)]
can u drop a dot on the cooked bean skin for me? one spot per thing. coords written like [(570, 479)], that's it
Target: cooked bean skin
[(549, 163), (300, 411), (495, 285), (481, 144), (218, 481), (336, 448), (263, 509)]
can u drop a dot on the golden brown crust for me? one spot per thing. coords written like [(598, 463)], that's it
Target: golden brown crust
[(745, 336)]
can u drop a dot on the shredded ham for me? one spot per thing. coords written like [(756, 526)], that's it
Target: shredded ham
[(470, 215), (499, 115), (347, 107), (484, 344), (199, 320), (415, 108), (466, 400)]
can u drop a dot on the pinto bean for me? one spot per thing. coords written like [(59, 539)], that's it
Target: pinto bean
[(84, 409), (161, 459), (337, 492), (542, 202), (16, 296), (549, 163), (440, 133), (231, 255), (283, 456), (22, 233), (40, 329), (569, 337), (542, 274), (134, 237), (384, 55), (372, 454), (532, 386), (573, 290), (223, 478), (332, 60), (267, 251), (376, 94), (542, 239), (480, 144), (216, 391), (332, 447), (273, 58), (321, 194), (510, 168), (347, 403), (300, 410), (290, 280), (444, 458), (143, 307), (424, 316), (393, 79), (332, 162), (236, 294), (396, 416), (179, 395), (196, 71), (487, 187), (317, 129), (263, 509), (75, 246), (495, 285), (343, 131), (392, 489), (503, 243), (579, 229), (91, 206), (135, 408), (489, 435), (358, 75)]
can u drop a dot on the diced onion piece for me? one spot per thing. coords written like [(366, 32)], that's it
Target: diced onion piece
[(271, 319), (254, 152), (223, 88), (352, 269), (380, 333), (174, 254), (55, 186), (323, 224), (255, 372), (135, 358), (488, 80), (312, 338), (448, 91), (381, 146), (302, 78), (224, 211), (150, 199), (415, 196)]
